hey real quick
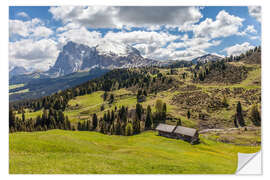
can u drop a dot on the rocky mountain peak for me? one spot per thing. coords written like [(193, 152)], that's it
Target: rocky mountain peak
[(108, 55)]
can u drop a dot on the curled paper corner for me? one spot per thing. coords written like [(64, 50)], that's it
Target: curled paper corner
[(249, 164)]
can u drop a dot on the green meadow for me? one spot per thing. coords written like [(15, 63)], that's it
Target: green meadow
[(81, 152)]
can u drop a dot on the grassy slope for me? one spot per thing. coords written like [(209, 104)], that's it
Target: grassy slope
[(71, 152), (29, 114), (89, 104), (15, 86)]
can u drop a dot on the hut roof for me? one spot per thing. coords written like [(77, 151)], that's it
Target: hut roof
[(165, 128), (185, 131)]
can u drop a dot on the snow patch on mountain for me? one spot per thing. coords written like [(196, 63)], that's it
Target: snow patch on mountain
[(207, 58), (110, 48)]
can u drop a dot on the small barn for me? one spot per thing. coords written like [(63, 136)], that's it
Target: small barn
[(165, 130), (178, 132), (187, 134)]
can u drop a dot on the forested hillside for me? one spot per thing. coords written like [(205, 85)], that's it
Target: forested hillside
[(219, 94)]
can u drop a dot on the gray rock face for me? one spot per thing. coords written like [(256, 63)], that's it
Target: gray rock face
[(77, 57)]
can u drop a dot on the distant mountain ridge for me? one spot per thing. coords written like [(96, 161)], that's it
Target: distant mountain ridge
[(18, 70), (206, 58)]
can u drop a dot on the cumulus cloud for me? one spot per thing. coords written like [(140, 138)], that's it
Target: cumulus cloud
[(38, 54), (23, 14), (79, 35), (34, 27), (119, 17), (255, 11), (146, 37), (148, 43), (238, 49), (251, 29), (225, 25), (191, 48), (254, 37), (18, 27), (194, 43), (149, 29), (42, 31)]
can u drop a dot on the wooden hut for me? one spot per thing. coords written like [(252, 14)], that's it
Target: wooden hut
[(178, 132), (165, 130), (187, 134)]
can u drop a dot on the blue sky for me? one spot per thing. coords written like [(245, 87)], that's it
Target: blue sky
[(37, 34)]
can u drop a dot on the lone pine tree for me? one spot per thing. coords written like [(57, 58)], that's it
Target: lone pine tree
[(255, 115), (148, 121), (239, 115)]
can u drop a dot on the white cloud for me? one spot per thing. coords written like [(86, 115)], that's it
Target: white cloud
[(35, 54), (193, 48), (18, 27), (79, 35), (119, 17), (148, 43), (254, 37), (34, 27), (42, 31), (238, 49), (23, 14), (225, 25), (33, 50), (151, 44), (251, 29), (255, 11), (146, 37)]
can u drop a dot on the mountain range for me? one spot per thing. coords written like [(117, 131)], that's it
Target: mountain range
[(78, 63), (77, 57)]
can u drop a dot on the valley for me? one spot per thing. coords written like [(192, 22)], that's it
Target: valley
[(110, 119)]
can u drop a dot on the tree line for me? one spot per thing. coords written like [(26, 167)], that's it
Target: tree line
[(50, 119), (118, 121), (125, 121)]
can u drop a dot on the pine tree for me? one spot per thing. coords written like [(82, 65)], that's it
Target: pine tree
[(164, 111), (105, 95), (188, 114), (11, 119), (102, 107), (136, 126), (138, 111), (111, 100), (139, 93), (129, 129), (239, 115), (148, 121), (178, 123), (159, 106), (23, 116), (118, 128), (79, 126), (255, 116), (144, 93)]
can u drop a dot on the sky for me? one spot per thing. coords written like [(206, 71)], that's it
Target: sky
[(37, 34)]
